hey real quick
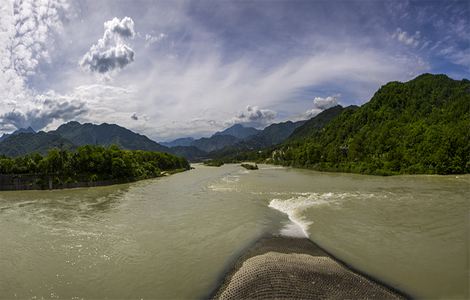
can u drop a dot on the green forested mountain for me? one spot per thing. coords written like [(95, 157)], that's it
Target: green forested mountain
[(215, 142), (25, 143), (178, 142), (73, 134), (421, 126), (21, 130), (318, 122), (107, 134), (273, 134), (239, 131), (189, 152), (235, 139)]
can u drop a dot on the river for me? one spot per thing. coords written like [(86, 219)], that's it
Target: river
[(172, 237)]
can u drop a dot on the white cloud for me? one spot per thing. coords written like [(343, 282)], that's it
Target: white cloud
[(327, 102), (27, 31), (254, 116), (205, 87), (45, 109), (406, 38), (111, 51), (152, 39), (320, 104)]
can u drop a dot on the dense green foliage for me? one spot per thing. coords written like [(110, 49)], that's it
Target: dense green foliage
[(93, 163), (421, 126)]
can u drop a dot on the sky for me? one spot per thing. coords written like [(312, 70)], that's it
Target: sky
[(170, 69)]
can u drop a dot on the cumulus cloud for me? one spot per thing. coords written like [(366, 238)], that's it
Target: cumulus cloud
[(322, 103), (48, 108), (111, 51), (406, 38), (26, 30), (254, 116)]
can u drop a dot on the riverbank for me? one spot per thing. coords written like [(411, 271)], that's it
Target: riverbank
[(25, 182), (283, 267)]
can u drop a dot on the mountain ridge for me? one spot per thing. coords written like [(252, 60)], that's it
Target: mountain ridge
[(73, 134), (419, 126)]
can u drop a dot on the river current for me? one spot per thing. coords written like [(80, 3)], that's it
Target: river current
[(173, 237)]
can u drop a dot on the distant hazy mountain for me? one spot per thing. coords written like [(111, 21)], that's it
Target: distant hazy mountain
[(73, 134), (25, 143), (107, 134), (178, 142), (239, 131), (219, 140), (215, 142), (191, 153), (271, 135), (21, 130)]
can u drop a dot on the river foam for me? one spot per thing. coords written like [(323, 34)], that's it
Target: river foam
[(293, 208)]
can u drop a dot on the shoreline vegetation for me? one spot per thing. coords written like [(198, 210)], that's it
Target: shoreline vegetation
[(86, 167), (213, 163)]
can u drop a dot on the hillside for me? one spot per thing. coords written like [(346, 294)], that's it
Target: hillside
[(191, 153), (185, 142), (107, 134), (271, 135), (239, 131), (215, 142), (274, 134), (21, 130), (73, 134), (233, 139), (25, 143), (318, 122), (421, 126)]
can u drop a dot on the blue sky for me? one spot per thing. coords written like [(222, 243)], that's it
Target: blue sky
[(188, 68)]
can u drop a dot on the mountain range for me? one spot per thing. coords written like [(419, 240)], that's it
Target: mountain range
[(234, 139), (419, 126), (21, 130), (73, 134)]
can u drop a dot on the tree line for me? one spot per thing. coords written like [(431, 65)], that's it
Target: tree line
[(95, 163)]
